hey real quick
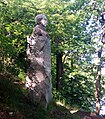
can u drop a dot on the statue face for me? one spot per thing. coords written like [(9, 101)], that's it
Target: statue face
[(44, 22)]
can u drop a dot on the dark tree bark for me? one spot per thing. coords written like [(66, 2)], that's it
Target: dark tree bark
[(59, 69)]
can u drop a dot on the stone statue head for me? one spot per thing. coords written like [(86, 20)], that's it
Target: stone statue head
[(41, 19)]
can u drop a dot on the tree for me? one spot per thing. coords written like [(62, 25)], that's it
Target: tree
[(99, 66), (71, 23)]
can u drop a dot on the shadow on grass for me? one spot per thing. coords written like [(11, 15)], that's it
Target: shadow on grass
[(15, 105), (13, 102)]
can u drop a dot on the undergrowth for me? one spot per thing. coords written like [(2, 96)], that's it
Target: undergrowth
[(14, 103)]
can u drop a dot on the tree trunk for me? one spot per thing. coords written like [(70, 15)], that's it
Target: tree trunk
[(59, 69), (98, 84)]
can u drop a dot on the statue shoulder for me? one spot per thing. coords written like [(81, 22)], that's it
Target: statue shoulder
[(40, 30)]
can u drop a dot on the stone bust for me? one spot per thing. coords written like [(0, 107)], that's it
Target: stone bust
[(40, 28)]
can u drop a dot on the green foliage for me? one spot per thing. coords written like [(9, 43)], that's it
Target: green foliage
[(79, 89), (68, 22)]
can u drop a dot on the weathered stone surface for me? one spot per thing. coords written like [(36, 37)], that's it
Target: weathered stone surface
[(38, 80)]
